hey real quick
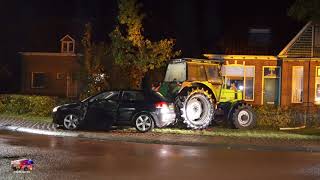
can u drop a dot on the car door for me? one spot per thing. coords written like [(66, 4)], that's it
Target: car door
[(102, 110), (131, 102)]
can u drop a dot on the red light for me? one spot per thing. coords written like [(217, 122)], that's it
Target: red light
[(161, 104)]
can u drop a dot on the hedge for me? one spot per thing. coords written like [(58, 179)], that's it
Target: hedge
[(29, 104), (267, 116), (277, 117)]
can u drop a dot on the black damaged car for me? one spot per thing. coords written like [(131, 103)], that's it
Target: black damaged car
[(143, 110)]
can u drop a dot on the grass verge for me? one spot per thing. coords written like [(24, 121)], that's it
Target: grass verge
[(300, 134), (306, 134)]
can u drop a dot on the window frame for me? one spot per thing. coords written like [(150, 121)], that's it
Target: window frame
[(271, 77), (32, 80), (244, 79), (294, 77), (315, 86), (253, 84), (67, 44)]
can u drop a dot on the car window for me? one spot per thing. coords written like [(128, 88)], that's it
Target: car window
[(105, 95), (114, 96), (133, 96)]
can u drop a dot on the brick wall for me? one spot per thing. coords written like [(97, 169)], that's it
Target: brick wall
[(51, 65), (308, 85)]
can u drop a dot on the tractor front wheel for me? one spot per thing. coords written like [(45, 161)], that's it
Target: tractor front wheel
[(244, 117)]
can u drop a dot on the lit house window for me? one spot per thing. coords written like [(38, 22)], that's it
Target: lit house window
[(317, 93), (249, 83), (242, 77), (67, 44), (297, 84), (38, 80)]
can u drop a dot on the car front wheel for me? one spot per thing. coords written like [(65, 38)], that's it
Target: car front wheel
[(144, 123), (71, 121)]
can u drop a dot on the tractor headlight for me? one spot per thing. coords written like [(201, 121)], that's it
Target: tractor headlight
[(241, 88)]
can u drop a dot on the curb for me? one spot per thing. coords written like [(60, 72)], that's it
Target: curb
[(143, 140), (38, 131)]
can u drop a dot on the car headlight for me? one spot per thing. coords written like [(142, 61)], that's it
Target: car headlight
[(55, 109)]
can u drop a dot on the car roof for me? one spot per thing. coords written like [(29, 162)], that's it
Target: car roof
[(127, 90), (123, 90)]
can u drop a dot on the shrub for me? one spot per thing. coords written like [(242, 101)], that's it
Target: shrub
[(29, 105), (2, 107), (277, 117), (16, 104), (42, 105)]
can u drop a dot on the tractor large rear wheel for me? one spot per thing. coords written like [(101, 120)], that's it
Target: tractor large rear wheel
[(197, 109)]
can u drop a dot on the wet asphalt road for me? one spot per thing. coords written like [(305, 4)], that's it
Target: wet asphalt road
[(74, 158)]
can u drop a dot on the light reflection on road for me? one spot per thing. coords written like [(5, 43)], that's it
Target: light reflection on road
[(74, 158)]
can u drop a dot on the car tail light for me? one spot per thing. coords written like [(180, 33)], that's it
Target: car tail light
[(161, 105)]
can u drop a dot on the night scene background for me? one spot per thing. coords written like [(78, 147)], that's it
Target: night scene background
[(206, 26)]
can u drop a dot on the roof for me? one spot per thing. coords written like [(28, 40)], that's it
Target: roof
[(238, 35), (295, 39), (196, 60), (67, 38), (244, 57), (48, 54)]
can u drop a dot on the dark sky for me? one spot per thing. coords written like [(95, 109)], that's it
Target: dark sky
[(196, 24), (199, 26)]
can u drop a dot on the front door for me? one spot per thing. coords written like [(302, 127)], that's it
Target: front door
[(72, 86), (271, 91), (271, 85), (102, 110)]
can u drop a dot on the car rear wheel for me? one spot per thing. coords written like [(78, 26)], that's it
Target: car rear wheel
[(71, 121), (143, 122)]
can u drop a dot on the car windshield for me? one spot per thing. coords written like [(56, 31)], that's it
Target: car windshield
[(158, 97), (176, 72)]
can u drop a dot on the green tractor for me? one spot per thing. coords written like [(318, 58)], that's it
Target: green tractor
[(202, 95)]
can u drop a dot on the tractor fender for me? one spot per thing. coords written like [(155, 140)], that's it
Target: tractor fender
[(233, 106), (187, 85)]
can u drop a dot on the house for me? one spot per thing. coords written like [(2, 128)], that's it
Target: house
[(51, 73), (289, 78)]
